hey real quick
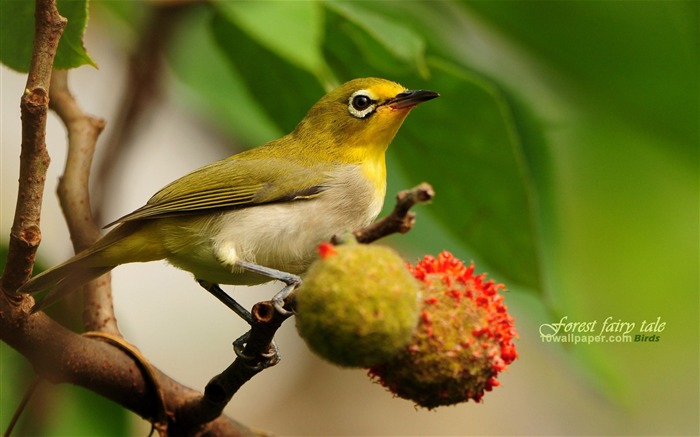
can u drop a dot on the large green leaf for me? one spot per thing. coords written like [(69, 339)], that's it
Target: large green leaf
[(399, 41), (638, 58), (283, 90), (467, 146), (71, 51), (292, 30), (17, 34), (216, 87), (603, 99)]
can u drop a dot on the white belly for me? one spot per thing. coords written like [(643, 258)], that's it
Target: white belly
[(282, 236)]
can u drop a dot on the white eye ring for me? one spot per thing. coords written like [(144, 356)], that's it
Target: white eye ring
[(361, 104)]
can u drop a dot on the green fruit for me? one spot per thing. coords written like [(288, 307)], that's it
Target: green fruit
[(358, 305)]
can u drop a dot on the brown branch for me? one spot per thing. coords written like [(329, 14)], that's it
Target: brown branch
[(73, 194), (34, 160), (61, 356), (222, 387)]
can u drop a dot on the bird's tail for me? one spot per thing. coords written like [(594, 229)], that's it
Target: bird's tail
[(61, 281), (111, 250)]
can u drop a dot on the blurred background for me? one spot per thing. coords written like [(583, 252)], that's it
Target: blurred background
[(564, 154)]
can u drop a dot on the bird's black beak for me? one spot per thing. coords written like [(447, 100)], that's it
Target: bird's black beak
[(409, 99)]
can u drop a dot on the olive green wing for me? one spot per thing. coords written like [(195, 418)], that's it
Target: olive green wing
[(234, 183)]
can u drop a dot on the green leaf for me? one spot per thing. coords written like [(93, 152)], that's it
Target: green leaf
[(346, 43), (213, 84), (282, 89), (17, 34), (77, 411), (398, 40), (466, 144), (604, 96), (640, 57), (292, 30), (71, 51)]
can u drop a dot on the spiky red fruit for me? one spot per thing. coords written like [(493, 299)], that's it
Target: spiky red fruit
[(464, 338)]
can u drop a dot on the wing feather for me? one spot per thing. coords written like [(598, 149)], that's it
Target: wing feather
[(239, 181)]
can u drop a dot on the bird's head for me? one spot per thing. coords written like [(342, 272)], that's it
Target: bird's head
[(360, 117)]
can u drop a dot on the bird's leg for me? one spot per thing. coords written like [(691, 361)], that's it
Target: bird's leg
[(228, 256), (291, 280), (272, 357), (227, 300)]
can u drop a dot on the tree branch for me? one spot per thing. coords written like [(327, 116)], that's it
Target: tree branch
[(61, 356), (34, 159), (73, 193), (222, 387)]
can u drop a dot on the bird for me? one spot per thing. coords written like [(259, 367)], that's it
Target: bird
[(259, 215)]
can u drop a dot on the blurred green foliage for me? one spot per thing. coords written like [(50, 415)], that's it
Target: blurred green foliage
[(17, 34), (564, 148)]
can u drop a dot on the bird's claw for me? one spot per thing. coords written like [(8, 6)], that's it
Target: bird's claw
[(278, 303), (263, 361)]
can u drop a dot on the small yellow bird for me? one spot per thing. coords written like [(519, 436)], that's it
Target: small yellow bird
[(250, 218)]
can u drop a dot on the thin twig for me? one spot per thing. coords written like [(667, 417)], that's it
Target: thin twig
[(23, 404), (160, 422), (222, 387), (401, 219), (25, 235)]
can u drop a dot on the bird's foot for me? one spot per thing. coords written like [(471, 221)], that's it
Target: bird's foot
[(259, 362)]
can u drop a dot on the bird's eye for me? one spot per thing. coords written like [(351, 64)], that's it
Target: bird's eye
[(361, 104)]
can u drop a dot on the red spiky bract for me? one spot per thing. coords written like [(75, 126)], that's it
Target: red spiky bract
[(464, 337), (326, 249)]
